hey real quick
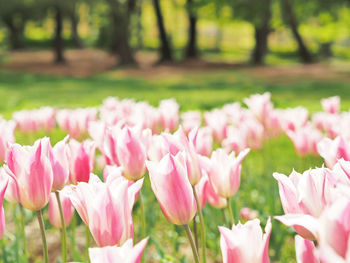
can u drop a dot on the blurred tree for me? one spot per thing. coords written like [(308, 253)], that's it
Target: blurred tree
[(165, 46), (191, 49), (257, 12), (291, 19), (14, 15), (74, 19), (120, 13)]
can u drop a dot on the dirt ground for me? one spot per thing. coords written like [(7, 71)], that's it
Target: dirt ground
[(87, 62)]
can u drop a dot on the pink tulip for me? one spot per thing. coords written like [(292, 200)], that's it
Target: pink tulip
[(225, 173), (158, 148), (331, 104), (169, 114), (7, 129), (54, 212), (304, 197), (332, 150), (305, 251), (305, 140), (217, 121), (131, 154), (60, 165), (81, 160), (203, 142), (248, 214), (201, 191), (190, 120), (3, 186), (12, 191), (30, 167), (294, 118), (97, 201), (172, 189), (126, 253), (237, 243), (334, 233), (35, 120), (260, 105)]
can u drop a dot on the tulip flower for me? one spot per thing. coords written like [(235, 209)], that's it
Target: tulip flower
[(11, 194), (203, 142), (96, 201), (305, 251), (81, 160), (304, 197), (35, 120), (54, 212), (305, 140), (172, 189), (260, 105), (127, 253), (190, 120), (334, 233), (60, 165), (3, 186), (217, 121), (237, 243), (30, 167), (294, 118), (332, 150), (225, 173), (7, 129), (131, 154), (248, 214), (169, 114), (331, 105)]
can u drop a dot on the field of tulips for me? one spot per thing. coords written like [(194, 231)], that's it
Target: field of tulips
[(130, 182)]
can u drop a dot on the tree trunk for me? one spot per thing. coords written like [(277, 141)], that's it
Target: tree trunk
[(261, 36), (58, 43), (191, 50), (120, 14), (74, 27), (293, 23), (139, 29), (15, 33), (165, 50)]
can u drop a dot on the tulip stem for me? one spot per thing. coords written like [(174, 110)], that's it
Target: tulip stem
[(17, 233), (225, 217), (143, 222), (63, 230), (230, 210), (43, 236), (201, 221), (24, 239), (195, 231), (87, 240), (193, 245)]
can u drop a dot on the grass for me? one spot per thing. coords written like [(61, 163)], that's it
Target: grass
[(193, 91)]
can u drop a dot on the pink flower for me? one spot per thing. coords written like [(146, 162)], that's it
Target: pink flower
[(203, 142), (260, 105), (334, 233), (54, 212), (191, 120), (81, 160), (169, 114), (126, 253), (225, 173), (294, 118), (248, 214), (35, 120), (12, 191), (60, 165), (30, 167), (3, 186), (131, 154), (305, 140), (209, 194), (237, 243), (332, 150), (172, 189), (106, 210), (304, 197), (331, 104), (218, 122), (305, 251), (7, 129)]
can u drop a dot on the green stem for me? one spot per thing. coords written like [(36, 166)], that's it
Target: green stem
[(195, 231), (225, 217), (17, 233), (230, 210), (201, 221), (143, 222), (73, 243), (24, 238), (43, 236), (87, 240), (63, 230), (193, 245)]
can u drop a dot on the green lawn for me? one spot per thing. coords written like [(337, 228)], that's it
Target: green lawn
[(196, 90)]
